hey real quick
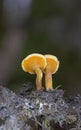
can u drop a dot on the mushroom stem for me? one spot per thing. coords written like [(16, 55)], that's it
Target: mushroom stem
[(39, 79), (48, 80)]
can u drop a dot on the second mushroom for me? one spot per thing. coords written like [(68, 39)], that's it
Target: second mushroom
[(51, 68)]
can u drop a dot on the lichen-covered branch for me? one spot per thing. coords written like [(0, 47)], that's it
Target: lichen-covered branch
[(34, 110)]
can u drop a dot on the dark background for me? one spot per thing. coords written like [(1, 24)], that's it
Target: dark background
[(42, 26)]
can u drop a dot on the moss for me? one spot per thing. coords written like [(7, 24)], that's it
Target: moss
[(46, 123)]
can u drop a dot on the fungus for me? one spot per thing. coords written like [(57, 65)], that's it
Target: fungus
[(34, 64), (51, 68)]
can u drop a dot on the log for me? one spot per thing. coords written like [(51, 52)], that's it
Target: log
[(38, 110)]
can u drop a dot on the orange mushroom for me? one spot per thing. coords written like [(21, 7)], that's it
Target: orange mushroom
[(51, 68), (34, 64)]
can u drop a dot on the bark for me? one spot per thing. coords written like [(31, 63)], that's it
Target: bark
[(38, 110)]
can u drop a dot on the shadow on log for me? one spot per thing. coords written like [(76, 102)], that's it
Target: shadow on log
[(38, 110)]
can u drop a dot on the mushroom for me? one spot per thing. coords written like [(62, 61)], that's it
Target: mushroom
[(51, 68), (34, 64)]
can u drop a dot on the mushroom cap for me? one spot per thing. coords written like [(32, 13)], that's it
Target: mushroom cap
[(32, 62), (52, 63)]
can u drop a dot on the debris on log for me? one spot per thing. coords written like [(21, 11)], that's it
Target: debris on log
[(38, 110)]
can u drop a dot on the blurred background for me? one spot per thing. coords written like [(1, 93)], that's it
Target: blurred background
[(42, 26)]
